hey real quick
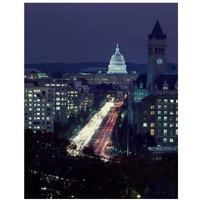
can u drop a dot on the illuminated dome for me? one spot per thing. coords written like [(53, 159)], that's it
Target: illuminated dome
[(117, 63)]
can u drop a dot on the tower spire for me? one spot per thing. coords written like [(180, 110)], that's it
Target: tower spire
[(157, 32), (117, 48)]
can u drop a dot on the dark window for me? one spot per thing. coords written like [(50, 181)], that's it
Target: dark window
[(36, 122)]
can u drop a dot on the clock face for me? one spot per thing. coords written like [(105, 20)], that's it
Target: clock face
[(159, 61)]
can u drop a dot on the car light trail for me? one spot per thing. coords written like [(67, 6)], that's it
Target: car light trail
[(104, 138), (85, 135)]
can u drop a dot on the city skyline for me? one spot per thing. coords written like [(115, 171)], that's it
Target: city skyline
[(89, 32)]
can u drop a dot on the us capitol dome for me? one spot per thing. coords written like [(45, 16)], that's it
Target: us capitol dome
[(117, 63)]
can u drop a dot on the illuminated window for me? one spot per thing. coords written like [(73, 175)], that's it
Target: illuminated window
[(176, 131), (171, 100), (164, 139), (152, 131), (176, 124), (159, 100), (159, 119), (165, 112), (152, 124), (176, 100), (36, 90), (165, 87), (57, 108), (144, 124), (159, 107), (165, 100), (57, 103), (159, 112), (152, 112), (171, 112), (165, 118), (165, 124), (171, 140), (171, 125), (30, 109), (165, 106), (165, 131), (152, 107)]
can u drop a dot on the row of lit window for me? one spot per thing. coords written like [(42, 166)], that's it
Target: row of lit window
[(171, 140), (38, 104), (72, 92), (166, 100), (38, 118), (165, 112), (35, 100), (62, 99), (140, 93), (56, 85), (60, 93), (165, 107), (165, 118), (152, 132), (160, 124)]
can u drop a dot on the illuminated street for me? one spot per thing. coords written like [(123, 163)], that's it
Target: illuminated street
[(103, 143), (85, 135)]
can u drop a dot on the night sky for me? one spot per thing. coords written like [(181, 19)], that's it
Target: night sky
[(89, 32)]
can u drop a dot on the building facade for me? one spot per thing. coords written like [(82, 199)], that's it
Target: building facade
[(117, 63), (157, 54), (38, 105), (158, 115), (60, 100), (153, 97)]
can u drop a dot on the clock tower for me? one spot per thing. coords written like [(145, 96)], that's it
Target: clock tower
[(157, 54)]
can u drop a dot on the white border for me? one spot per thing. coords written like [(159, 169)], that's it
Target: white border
[(12, 68)]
